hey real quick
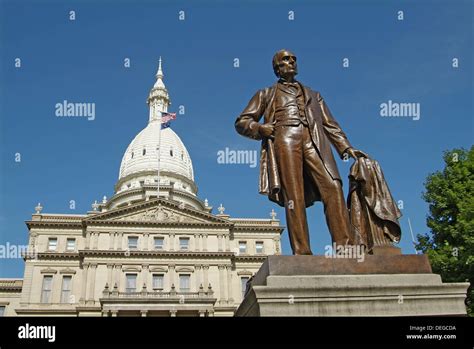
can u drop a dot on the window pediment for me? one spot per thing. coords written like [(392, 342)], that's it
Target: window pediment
[(48, 271), (185, 269)]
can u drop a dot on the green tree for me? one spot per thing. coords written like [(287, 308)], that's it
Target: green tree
[(450, 244)]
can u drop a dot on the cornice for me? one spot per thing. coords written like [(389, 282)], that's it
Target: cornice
[(262, 228), (250, 258), (152, 253), (53, 255)]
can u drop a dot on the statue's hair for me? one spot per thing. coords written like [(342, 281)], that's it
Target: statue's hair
[(275, 63)]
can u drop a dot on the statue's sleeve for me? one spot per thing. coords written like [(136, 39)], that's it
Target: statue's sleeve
[(332, 129), (247, 122)]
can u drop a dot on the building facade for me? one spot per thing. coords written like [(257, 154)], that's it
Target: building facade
[(153, 249)]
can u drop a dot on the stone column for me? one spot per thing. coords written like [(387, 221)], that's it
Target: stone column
[(277, 245), (144, 276), (92, 272), (200, 238), (219, 242), (202, 313), (110, 268), (172, 274), (85, 273), (96, 240), (171, 247), (173, 313), (143, 313), (117, 277), (32, 246), (197, 274), (114, 313), (204, 243), (145, 241), (111, 240), (222, 284), (88, 240), (227, 243), (205, 276), (118, 241), (196, 242), (230, 299)]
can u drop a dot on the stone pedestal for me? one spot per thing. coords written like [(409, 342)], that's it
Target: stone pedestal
[(380, 285)]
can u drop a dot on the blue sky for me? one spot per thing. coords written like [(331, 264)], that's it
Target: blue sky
[(65, 159)]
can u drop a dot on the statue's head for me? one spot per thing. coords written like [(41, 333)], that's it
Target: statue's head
[(284, 64)]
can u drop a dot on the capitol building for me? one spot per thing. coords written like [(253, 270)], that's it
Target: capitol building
[(152, 249)]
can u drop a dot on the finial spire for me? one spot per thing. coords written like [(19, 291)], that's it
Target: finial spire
[(158, 99), (159, 73)]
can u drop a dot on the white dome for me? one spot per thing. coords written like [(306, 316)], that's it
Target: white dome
[(142, 153)]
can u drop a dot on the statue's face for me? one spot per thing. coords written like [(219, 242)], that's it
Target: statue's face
[(287, 67)]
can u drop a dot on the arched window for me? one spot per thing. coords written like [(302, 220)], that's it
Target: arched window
[(171, 152), (144, 151), (132, 155)]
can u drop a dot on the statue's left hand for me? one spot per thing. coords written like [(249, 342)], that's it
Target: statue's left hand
[(355, 154)]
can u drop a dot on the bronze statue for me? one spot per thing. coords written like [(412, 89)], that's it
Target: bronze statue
[(297, 166)]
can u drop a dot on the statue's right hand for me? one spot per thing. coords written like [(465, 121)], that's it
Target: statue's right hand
[(266, 130)]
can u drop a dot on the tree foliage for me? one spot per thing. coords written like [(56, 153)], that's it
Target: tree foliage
[(450, 244)]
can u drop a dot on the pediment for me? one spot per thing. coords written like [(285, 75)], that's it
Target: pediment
[(156, 211), (159, 214)]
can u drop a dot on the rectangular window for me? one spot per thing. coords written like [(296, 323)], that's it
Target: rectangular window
[(71, 244), (259, 247), (2, 311), (159, 243), (131, 285), (242, 247), (184, 283), (243, 282), (46, 289), (66, 289), (158, 281), (183, 244), (132, 242), (52, 244)]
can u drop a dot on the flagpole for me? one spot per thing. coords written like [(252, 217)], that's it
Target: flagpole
[(159, 156), (412, 236)]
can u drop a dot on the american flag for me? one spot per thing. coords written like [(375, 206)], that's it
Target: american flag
[(166, 119)]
